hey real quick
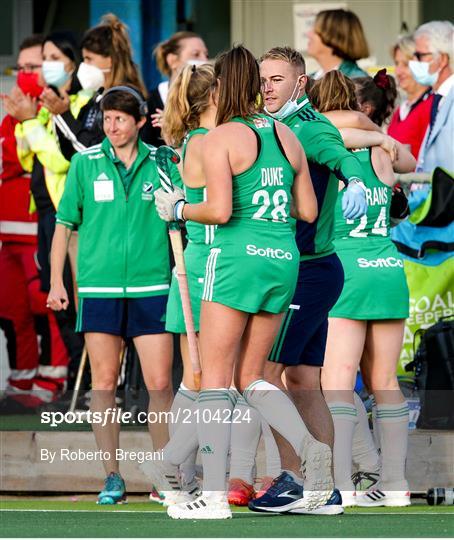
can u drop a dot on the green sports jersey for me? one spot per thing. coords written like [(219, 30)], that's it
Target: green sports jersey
[(375, 223), (123, 246), (262, 194), (329, 161), (375, 287), (197, 233), (253, 264)]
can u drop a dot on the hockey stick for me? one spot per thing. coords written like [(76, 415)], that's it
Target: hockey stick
[(164, 156), (80, 372)]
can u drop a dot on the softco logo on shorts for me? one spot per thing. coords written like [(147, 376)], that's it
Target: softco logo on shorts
[(271, 253), (389, 262)]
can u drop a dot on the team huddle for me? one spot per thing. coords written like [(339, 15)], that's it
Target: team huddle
[(286, 227)]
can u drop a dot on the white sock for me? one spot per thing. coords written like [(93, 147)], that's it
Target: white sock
[(273, 459), (183, 402), (279, 411), (365, 454), (244, 440), (214, 408), (392, 423), (297, 479), (344, 419), (375, 427)]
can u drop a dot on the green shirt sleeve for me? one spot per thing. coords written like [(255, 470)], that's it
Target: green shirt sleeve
[(323, 144), (69, 211)]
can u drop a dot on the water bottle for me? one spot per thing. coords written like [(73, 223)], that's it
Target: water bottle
[(436, 496)]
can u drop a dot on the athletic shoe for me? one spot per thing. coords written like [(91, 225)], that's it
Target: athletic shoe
[(186, 494), (240, 492), (114, 491), (365, 481), (349, 498), (266, 483), (155, 495), (384, 498), (331, 508), (283, 495), (316, 462), (202, 508)]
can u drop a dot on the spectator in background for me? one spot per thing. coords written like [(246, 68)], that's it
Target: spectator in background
[(39, 153), (337, 41), (181, 48), (410, 120), (434, 66), (107, 62), (22, 304)]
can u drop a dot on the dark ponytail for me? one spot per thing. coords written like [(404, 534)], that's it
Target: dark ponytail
[(380, 93)]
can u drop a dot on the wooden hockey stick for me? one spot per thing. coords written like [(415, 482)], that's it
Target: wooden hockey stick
[(164, 157)]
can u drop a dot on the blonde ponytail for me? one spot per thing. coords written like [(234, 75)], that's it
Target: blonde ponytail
[(189, 97)]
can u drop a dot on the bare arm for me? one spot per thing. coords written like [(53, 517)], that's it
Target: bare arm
[(58, 297), (217, 209), (304, 202), (351, 119)]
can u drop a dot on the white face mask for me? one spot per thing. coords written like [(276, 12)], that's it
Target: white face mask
[(420, 72), (290, 106), (91, 77)]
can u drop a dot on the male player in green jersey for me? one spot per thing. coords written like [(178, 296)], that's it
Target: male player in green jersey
[(300, 346)]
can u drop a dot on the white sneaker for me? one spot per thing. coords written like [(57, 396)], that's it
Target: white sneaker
[(187, 493), (316, 461), (201, 508), (349, 498), (384, 498)]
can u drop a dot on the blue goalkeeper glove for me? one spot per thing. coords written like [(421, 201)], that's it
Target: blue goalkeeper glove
[(354, 204)]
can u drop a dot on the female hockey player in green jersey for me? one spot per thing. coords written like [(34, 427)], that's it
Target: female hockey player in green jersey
[(366, 325)]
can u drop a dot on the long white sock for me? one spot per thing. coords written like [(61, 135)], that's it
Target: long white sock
[(273, 459), (244, 440), (364, 451), (184, 440), (344, 419), (279, 411), (183, 402), (375, 427), (214, 408), (392, 423)]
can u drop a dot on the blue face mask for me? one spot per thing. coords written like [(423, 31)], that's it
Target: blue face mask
[(54, 73), (420, 72)]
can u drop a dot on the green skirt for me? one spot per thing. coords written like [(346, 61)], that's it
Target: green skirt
[(375, 286), (195, 256), (252, 268)]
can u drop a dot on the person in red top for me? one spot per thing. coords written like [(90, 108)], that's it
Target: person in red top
[(23, 311), (409, 122)]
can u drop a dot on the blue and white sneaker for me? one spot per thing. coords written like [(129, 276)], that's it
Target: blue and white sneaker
[(331, 508), (283, 495), (114, 491)]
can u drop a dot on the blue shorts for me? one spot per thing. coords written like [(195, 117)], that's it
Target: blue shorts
[(302, 337), (125, 317)]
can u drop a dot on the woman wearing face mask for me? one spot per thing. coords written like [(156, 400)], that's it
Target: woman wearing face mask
[(410, 120), (337, 41), (171, 55), (107, 61), (39, 152)]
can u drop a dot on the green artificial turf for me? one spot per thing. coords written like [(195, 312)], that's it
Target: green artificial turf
[(65, 519)]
